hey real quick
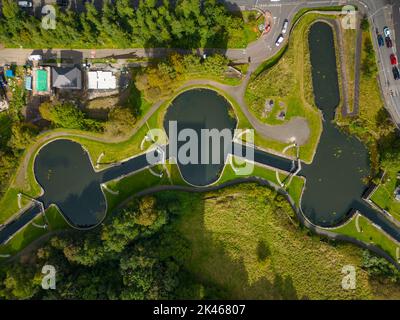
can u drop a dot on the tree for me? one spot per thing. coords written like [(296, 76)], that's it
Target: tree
[(19, 282), (21, 137), (120, 122), (66, 115)]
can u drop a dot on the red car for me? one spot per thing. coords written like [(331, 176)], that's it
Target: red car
[(393, 59)]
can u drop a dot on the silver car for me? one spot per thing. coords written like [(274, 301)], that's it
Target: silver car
[(25, 4), (285, 26)]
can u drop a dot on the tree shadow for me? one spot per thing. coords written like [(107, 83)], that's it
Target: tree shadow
[(226, 279)]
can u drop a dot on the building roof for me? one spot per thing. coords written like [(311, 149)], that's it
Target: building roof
[(66, 78), (101, 80), (9, 73)]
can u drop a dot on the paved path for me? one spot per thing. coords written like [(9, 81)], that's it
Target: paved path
[(296, 128)]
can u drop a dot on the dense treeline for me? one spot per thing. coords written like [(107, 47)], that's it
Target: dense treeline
[(67, 115), (188, 24), (15, 134), (380, 268), (133, 255), (159, 80)]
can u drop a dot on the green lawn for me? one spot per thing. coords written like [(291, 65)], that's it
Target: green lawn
[(294, 189), (384, 194), (134, 183), (369, 233)]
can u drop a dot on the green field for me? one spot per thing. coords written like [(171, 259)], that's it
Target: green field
[(246, 245)]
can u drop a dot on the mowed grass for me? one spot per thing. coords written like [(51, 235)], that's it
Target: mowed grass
[(368, 233), (384, 194), (289, 84), (294, 188), (248, 246)]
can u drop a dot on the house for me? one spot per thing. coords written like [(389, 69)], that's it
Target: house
[(66, 78), (101, 80)]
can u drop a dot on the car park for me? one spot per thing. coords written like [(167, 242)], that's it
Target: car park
[(279, 40), (381, 42), (393, 59), (285, 26), (388, 41), (396, 73)]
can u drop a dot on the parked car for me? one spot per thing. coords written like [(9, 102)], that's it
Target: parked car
[(396, 73), (25, 4), (63, 3), (381, 42), (285, 26), (386, 32), (389, 43), (393, 59), (279, 40)]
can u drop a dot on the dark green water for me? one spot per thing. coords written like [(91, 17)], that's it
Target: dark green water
[(200, 109), (334, 179), (64, 171)]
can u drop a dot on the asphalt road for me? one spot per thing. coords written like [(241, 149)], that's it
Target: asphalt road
[(380, 13), (382, 17)]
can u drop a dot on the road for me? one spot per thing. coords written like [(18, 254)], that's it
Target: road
[(380, 13)]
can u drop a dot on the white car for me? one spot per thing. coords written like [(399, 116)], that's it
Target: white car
[(285, 26), (386, 32), (25, 4), (35, 57), (279, 40)]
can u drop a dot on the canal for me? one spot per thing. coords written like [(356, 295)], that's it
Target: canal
[(334, 181)]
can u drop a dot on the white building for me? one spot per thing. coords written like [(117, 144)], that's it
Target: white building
[(100, 80)]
